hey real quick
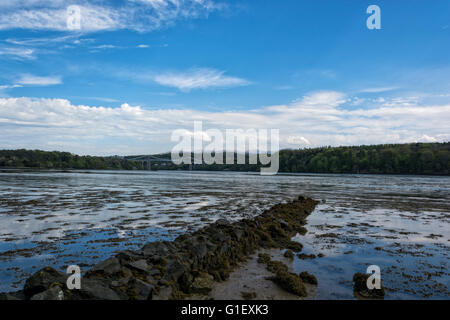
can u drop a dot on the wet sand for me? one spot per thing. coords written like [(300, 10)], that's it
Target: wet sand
[(249, 280)]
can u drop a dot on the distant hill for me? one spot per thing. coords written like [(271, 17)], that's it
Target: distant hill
[(413, 158)]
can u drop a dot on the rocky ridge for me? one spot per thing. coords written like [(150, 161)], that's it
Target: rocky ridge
[(175, 270)]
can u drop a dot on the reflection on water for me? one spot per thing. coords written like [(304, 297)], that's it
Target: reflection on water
[(400, 223)]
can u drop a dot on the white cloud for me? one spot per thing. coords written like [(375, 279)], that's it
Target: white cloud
[(315, 120), (9, 86), (97, 15), (32, 80), (17, 53), (202, 78), (378, 89), (143, 46)]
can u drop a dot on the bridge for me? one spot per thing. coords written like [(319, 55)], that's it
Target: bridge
[(147, 160)]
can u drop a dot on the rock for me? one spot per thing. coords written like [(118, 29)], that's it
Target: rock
[(9, 296), (290, 282), (97, 289), (238, 234), (129, 255), (361, 291), (164, 293), (107, 267), (43, 280), (54, 293), (163, 282), (288, 254), (222, 222), (202, 284), (140, 265), (199, 250), (308, 278), (156, 248), (185, 282), (188, 264), (154, 272), (125, 276), (248, 295), (175, 270), (141, 289)]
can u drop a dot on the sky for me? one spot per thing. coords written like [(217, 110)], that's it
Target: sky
[(133, 71)]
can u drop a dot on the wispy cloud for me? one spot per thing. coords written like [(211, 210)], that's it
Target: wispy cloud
[(201, 78), (32, 80), (139, 15), (378, 89), (17, 53)]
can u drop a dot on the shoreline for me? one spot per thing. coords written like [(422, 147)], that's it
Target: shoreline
[(189, 265)]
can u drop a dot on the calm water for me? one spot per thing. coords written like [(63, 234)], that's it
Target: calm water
[(401, 223)]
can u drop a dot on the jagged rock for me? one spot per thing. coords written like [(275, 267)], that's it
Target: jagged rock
[(140, 265), (202, 284), (129, 255), (108, 267), (175, 270), (199, 250), (97, 289), (164, 293), (141, 290), (190, 263), (43, 280), (156, 248), (125, 276), (54, 293)]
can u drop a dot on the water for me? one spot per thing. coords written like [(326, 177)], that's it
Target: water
[(400, 223)]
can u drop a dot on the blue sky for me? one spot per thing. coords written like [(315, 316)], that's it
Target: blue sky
[(310, 68)]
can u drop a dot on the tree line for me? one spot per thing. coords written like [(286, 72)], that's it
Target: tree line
[(63, 160), (413, 158)]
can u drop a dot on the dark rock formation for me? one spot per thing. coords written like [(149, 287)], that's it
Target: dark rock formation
[(190, 264), (360, 288)]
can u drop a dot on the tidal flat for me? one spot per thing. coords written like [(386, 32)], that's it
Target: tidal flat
[(400, 223)]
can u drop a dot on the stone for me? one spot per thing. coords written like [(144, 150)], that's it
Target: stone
[(140, 265), (54, 293), (141, 289), (175, 270), (164, 293), (43, 280), (308, 278), (199, 250), (203, 283), (108, 267), (96, 289)]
